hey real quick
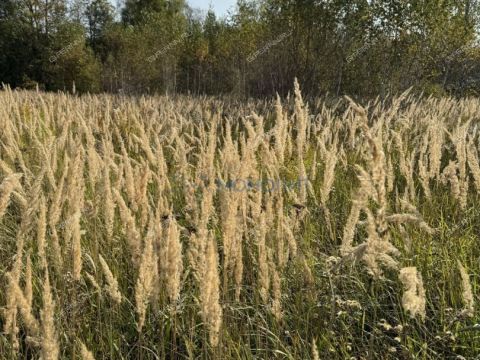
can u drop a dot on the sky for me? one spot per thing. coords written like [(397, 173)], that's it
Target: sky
[(219, 6)]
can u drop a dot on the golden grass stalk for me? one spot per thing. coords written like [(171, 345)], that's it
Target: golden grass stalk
[(5, 168), (263, 272), (74, 228), (141, 194), (109, 204), (351, 223), (92, 280), (301, 117), (450, 175), (459, 139), (281, 131), (474, 164), (413, 299), (315, 354), (112, 284), (329, 174), (173, 263), (22, 303), (12, 293), (435, 150), (8, 185), (133, 236), (228, 221), (28, 282), (129, 179), (467, 293), (41, 232), (85, 353), (146, 278), (276, 285), (211, 309), (50, 349)]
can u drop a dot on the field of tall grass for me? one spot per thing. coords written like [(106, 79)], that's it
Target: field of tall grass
[(206, 228)]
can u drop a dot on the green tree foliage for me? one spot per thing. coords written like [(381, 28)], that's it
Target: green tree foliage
[(339, 47), (72, 61), (99, 14), (40, 45)]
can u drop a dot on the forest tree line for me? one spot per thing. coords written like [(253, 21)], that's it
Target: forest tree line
[(363, 47)]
